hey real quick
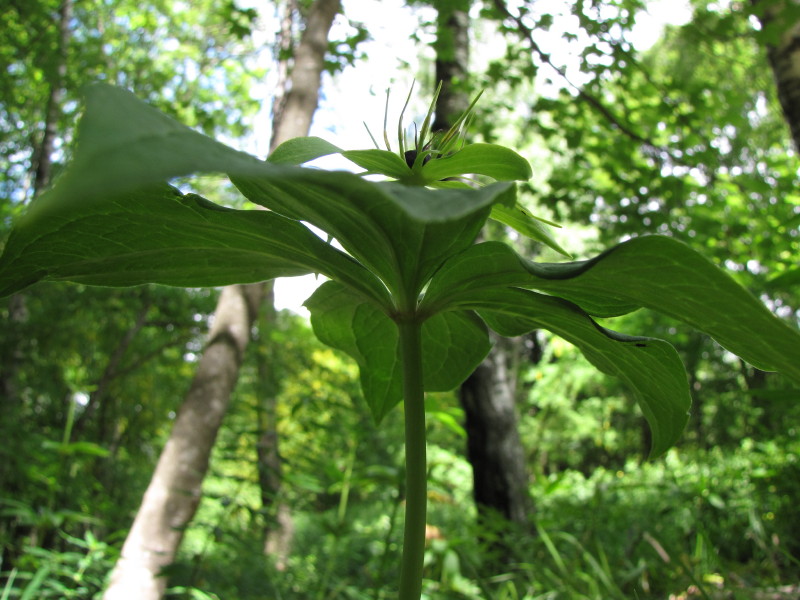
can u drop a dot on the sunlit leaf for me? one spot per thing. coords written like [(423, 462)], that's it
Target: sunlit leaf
[(297, 151), (383, 162), (497, 162), (520, 220)]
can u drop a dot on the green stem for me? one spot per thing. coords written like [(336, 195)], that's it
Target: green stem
[(416, 473)]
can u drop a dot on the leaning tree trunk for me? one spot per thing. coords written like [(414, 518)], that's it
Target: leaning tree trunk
[(172, 497), (494, 448), (784, 57)]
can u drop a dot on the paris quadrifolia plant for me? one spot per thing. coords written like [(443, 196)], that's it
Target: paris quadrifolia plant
[(410, 293)]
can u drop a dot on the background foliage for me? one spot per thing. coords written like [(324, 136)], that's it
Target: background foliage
[(689, 142)]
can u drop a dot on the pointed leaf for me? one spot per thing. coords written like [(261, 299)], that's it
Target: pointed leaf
[(520, 220), (378, 223), (159, 235), (650, 367), (124, 144), (297, 151), (495, 264), (666, 275), (379, 161), (344, 321), (453, 344), (655, 272), (497, 162)]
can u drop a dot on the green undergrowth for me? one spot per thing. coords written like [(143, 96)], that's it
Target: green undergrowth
[(717, 524)]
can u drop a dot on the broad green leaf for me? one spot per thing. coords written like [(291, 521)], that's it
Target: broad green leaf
[(297, 151), (666, 275), (344, 321), (494, 264), (125, 145), (443, 205), (402, 245), (656, 272), (159, 235), (650, 367), (520, 220), (380, 161), (453, 344), (497, 162)]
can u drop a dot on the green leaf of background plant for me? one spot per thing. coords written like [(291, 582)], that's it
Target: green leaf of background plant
[(650, 367), (159, 235), (497, 162), (787, 279)]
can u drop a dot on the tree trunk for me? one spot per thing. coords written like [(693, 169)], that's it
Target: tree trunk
[(452, 62), (784, 57), (174, 492), (494, 448), (488, 396), (309, 61), (172, 497), (43, 156)]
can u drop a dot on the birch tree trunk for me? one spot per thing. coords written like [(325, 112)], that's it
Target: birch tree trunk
[(784, 57), (174, 492), (494, 448)]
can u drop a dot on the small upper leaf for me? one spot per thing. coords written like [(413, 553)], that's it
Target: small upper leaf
[(520, 220), (498, 162), (298, 151), (381, 162)]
